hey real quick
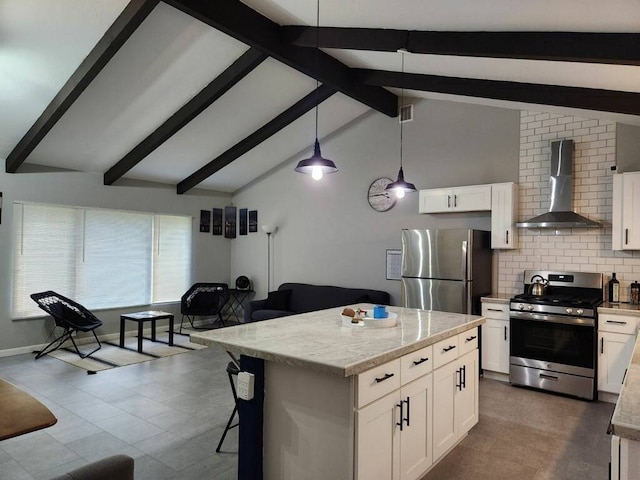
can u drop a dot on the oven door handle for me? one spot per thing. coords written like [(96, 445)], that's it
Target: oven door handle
[(546, 376), (543, 317)]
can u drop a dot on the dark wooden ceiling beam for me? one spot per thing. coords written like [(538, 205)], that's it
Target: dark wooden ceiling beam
[(256, 138), (209, 94), (586, 47), (539, 94), (248, 26), (118, 33)]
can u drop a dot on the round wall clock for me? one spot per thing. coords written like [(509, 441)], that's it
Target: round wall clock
[(380, 199)]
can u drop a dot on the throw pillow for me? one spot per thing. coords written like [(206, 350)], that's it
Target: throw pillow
[(278, 300)]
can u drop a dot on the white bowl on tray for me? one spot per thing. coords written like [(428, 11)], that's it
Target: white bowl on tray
[(347, 322), (390, 321)]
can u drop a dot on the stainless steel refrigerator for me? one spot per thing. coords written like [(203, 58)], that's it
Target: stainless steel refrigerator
[(446, 270)]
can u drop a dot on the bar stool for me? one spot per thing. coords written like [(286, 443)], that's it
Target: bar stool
[(232, 369)]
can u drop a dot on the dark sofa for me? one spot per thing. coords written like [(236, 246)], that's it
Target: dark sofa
[(293, 298)]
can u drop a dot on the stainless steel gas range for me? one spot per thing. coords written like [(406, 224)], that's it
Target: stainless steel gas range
[(553, 343)]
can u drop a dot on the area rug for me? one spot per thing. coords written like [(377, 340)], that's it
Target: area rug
[(112, 356)]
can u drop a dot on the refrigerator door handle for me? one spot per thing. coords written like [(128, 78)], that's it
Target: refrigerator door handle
[(465, 266)]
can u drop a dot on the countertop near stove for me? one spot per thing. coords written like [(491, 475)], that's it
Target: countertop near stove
[(620, 308), (498, 298), (626, 416)]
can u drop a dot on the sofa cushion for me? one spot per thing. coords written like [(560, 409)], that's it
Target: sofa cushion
[(278, 300), (308, 298), (260, 315)]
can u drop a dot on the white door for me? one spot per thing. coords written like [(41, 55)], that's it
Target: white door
[(495, 345), (466, 411), (435, 200), (473, 198), (416, 451), (444, 398), (503, 215), (378, 439), (631, 211), (615, 354)]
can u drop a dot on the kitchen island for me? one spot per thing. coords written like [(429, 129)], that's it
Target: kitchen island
[(353, 402)]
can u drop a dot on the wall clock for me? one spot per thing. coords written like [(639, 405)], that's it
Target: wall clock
[(380, 199)]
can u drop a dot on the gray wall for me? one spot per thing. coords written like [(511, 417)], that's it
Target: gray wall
[(627, 148), (328, 234), (82, 189)]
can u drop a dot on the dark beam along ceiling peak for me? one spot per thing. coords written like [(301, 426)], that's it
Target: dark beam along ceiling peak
[(291, 114), (250, 27), (561, 96), (586, 47), (209, 94), (118, 33)]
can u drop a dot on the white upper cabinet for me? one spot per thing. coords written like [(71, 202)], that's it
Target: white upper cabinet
[(457, 199), (626, 211), (504, 215), (499, 198)]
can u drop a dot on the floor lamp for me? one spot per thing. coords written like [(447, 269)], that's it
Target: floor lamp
[(269, 229)]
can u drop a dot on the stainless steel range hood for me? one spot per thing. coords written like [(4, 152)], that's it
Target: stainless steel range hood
[(560, 214)]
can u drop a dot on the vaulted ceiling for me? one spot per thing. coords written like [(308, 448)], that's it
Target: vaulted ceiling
[(213, 94)]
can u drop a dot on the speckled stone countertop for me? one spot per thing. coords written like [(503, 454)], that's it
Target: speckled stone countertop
[(498, 298), (319, 341), (626, 416), (620, 308)]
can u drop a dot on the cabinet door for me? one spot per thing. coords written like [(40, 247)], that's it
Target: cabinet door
[(504, 211), (631, 211), (466, 411), (416, 451), (472, 199), (378, 439), (436, 200), (495, 345), (615, 355), (445, 436)]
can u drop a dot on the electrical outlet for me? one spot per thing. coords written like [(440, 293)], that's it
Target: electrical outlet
[(246, 383)]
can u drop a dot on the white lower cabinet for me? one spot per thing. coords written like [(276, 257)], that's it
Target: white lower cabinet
[(455, 401), (616, 340), (400, 433)]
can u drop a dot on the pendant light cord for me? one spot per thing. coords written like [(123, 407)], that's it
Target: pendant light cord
[(400, 113), (317, 59)]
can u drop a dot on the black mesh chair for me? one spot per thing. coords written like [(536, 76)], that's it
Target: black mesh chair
[(233, 368), (204, 299), (68, 315)]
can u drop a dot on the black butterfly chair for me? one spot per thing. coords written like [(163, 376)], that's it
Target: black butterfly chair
[(68, 315), (204, 299)]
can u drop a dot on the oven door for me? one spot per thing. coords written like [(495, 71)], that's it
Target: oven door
[(553, 340)]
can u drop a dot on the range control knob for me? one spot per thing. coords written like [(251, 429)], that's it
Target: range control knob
[(530, 308), (580, 311), (569, 310), (521, 306)]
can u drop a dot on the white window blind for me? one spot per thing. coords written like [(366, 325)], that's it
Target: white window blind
[(100, 258)]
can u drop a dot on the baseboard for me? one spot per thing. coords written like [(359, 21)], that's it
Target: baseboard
[(503, 377), (607, 397)]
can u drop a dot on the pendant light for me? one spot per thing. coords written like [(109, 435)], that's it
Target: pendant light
[(316, 165), (400, 186)]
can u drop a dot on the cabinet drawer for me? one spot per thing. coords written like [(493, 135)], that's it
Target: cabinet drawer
[(445, 351), (377, 382), (468, 341), (416, 364), (617, 323), (499, 311)]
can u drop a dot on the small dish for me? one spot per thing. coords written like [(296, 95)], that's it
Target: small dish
[(390, 321), (347, 322)]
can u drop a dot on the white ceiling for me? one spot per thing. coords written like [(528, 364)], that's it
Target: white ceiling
[(172, 56)]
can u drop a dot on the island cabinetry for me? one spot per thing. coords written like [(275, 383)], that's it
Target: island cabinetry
[(626, 211), (616, 340), (393, 433), (458, 199), (495, 337)]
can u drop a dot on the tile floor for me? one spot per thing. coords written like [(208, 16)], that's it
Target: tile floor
[(169, 413)]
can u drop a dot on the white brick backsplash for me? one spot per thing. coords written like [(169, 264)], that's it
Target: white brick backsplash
[(576, 249)]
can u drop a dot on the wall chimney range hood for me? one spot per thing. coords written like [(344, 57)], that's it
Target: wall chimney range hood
[(560, 214)]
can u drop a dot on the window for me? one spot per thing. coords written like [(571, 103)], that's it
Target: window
[(100, 258)]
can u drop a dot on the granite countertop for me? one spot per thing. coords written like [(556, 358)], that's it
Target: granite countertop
[(319, 341), (621, 308), (626, 416), (497, 298)]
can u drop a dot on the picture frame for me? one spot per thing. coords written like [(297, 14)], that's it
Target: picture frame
[(205, 221), (230, 221), (216, 224), (253, 221)]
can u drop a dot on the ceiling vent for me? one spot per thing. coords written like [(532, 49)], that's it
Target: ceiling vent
[(406, 113)]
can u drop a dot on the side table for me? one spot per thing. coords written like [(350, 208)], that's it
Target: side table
[(146, 316), (237, 298)]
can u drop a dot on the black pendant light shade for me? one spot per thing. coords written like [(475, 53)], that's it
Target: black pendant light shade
[(401, 185), (316, 163)]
